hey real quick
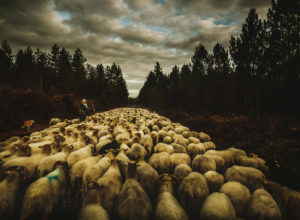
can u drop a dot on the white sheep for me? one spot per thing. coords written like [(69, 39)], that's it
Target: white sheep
[(220, 162), (214, 180), (178, 148), (192, 192), (45, 192), (248, 176), (181, 171), (110, 185), (54, 121), (91, 208), (137, 152), (132, 201), (262, 206), (148, 178), (217, 206), (257, 163), (194, 149), (239, 196), (80, 154), (162, 147), (167, 207), (225, 154), (179, 158), (8, 188), (161, 162), (202, 164), (204, 137)]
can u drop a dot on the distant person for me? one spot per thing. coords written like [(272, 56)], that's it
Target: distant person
[(83, 110)]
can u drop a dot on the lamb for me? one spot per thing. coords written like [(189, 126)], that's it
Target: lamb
[(217, 206), (110, 185), (195, 149), (132, 201), (179, 158), (91, 208), (8, 188), (148, 178), (167, 140), (239, 196), (257, 163), (248, 176), (262, 206), (137, 152), (202, 164), (214, 180), (162, 147), (192, 192), (161, 162), (80, 154), (45, 192), (167, 207), (181, 171)]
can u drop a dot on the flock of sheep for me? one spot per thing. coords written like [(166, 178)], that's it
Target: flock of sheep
[(130, 163)]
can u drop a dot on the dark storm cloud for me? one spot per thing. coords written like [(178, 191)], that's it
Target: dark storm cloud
[(133, 33)]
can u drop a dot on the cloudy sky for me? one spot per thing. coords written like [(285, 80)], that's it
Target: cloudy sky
[(132, 33)]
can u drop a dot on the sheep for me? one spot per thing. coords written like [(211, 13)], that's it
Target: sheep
[(8, 188), (91, 208), (202, 164), (181, 171), (204, 137), (147, 143), (178, 148), (137, 152), (193, 140), (54, 121), (239, 196), (248, 176), (132, 201), (237, 152), (46, 164), (192, 192), (214, 180), (45, 192), (179, 139), (123, 161), (179, 158), (148, 178), (225, 154), (77, 170), (80, 154), (257, 163), (217, 206), (167, 140), (161, 162), (220, 163), (209, 145), (109, 186), (162, 134), (162, 147), (93, 173), (262, 206), (287, 199), (194, 149), (167, 207)]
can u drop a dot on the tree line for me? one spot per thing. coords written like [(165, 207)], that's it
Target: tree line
[(59, 72), (259, 74)]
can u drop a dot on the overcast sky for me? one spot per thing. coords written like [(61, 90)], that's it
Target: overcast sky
[(132, 33)]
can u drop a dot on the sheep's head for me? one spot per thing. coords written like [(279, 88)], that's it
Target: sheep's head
[(16, 171), (62, 165), (23, 150), (46, 149), (59, 138)]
